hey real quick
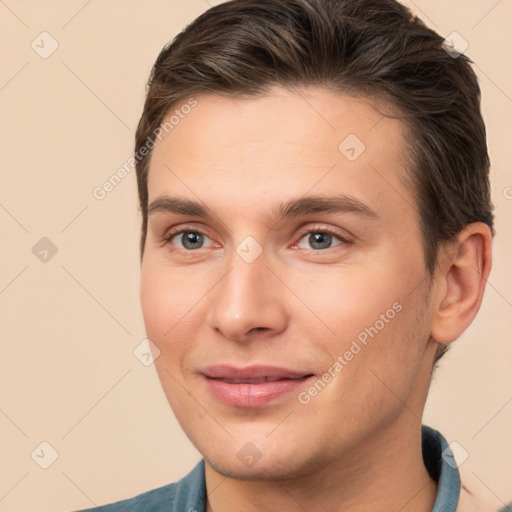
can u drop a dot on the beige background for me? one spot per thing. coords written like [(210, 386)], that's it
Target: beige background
[(69, 325)]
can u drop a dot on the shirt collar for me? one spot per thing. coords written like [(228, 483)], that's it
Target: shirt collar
[(442, 467), (437, 456)]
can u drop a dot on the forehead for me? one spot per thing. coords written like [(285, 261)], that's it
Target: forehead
[(283, 144)]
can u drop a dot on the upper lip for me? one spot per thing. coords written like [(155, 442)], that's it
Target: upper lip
[(255, 373)]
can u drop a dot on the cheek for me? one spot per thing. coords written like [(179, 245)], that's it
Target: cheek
[(369, 316), (155, 302), (167, 306), (347, 300), (167, 299)]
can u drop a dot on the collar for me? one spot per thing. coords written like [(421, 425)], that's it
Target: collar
[(442, 468), (190, 492)]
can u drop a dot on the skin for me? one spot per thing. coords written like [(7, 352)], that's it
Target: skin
[(357, 444)]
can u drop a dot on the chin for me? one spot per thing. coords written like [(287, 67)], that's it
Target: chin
[(275, 466), (236, 471), (260, 471)]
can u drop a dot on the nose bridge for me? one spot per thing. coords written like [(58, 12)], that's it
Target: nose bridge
[(247, 297)]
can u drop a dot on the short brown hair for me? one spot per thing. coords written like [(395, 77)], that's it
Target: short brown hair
[(372, 48)]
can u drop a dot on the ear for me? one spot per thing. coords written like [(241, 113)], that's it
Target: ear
[(462, 273)]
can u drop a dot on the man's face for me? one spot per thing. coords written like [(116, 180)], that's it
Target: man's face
[(334, 300)]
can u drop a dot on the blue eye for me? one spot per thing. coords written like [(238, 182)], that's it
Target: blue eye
[(190, 240), (319, 240), (311, 239)]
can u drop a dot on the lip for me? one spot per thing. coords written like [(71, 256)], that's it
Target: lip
[(253, 386)]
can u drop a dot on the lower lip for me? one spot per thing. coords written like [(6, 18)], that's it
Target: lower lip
[(254, 394)]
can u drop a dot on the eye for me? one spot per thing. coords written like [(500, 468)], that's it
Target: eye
[(321, 239), (316, 239), (190, 239)]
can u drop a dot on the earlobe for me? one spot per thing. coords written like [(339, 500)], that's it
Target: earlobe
[(464, 266)]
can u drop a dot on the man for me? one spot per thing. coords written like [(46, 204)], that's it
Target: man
[(317, 229)]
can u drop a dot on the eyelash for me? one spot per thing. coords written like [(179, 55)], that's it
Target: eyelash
[(327, 231), (324, 231)]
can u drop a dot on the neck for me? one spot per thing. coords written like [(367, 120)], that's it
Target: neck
[(385, 472)]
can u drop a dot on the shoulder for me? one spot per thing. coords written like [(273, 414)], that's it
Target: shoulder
[(189, 493), (150, 501)]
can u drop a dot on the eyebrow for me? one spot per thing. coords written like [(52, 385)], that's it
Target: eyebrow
[(293, 208)]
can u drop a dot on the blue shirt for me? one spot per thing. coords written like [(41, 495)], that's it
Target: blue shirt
[(189, 493)]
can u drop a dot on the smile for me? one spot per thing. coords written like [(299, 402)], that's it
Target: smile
[(251, 387)]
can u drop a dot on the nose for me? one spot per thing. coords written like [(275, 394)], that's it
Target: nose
[(248, 302)]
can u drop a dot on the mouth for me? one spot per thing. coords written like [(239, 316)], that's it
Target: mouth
[(255, 380), (254, 386)]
